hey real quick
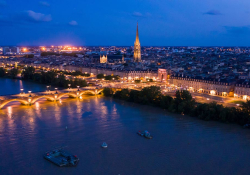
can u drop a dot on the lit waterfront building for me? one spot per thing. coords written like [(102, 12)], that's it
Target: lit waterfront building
[(242, 91), (203, 86), (137, 47)]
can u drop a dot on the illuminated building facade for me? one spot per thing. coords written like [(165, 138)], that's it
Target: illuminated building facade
[(203, 86), (103, 59), (137, 47)]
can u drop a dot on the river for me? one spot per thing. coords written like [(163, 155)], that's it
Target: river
[(180, 144)]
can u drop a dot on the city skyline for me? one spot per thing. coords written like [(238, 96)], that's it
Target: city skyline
[(162, 23)]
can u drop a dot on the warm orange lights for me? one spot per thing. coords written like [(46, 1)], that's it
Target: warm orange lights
[(24, 50)]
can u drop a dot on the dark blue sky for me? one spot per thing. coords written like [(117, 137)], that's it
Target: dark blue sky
[(113, 22)]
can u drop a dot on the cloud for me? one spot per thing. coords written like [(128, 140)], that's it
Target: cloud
[(212, 12), (24, 18), (44, 3), (2, 3), (238, 31), (138, 14), (32, 16), (73, 23)]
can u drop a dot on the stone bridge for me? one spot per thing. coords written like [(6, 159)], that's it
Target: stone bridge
[(31, 98)]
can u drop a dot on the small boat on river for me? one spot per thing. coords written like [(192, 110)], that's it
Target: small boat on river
[(104, 145), (145, 134), (61, 158)]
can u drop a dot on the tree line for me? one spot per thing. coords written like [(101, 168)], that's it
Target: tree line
[(11, 73), (108, 77), (184, 104), (51, 78), (45, 77)]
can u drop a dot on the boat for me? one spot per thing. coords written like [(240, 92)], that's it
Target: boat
[(104, 145), (61, 158), (145, 134)]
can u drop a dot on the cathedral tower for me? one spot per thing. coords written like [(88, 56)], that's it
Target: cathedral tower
[(137, 47)]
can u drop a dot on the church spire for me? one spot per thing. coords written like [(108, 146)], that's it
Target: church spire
[(137, 35), (137, 47)]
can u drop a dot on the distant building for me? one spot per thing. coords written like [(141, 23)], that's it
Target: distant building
[(5, 50), (162, 75), (11, 50), (137, 47), (103, 59), (107, 59)]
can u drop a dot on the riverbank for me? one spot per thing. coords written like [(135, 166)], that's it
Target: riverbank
[(184, 104), (44, 77)]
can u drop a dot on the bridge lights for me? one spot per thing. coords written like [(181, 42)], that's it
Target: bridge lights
[(78, 88), (21, 91), (29, 93), (69, 85), (48, 88), (80, 97), (56, 90)]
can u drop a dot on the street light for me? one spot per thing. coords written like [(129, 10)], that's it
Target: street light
[(69, 85), (56, 90), (29, 93), (21, 91), (78, 88), (47, 88)]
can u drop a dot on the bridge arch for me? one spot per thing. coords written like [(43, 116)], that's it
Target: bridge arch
[(22, 101), (88, 91), (66, 94), (99, 91), (50, 98)]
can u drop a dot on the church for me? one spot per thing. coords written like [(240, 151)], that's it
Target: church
[(137, 47)]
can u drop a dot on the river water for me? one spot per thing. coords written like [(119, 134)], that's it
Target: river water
[(180, 144)]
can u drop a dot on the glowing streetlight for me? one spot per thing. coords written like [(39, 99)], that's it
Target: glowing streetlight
[(21, 91), (78, 88), (56, 90), (69, 85)]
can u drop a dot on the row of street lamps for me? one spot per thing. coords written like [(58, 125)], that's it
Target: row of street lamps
[(49, 90)]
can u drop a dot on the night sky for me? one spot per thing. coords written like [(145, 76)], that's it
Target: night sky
[(113, 22)]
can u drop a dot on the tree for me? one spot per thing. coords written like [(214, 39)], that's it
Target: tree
[(107, 92), (100, 76), (108, 77), (61, 81), (28, 73), (183, 103), (166, 101), (29, 56), (2, 72), (151, 95), (245, 106), (123, 94), (13, 73), (116, 77)]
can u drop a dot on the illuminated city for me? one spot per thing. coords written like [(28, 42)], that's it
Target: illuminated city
[(139, 87)]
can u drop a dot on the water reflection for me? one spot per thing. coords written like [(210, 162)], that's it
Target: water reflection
[(9, 112), (180, 144)]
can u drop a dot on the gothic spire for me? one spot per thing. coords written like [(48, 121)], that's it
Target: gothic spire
[(137, 35)]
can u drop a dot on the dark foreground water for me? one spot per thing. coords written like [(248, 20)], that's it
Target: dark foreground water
[(180, 144)]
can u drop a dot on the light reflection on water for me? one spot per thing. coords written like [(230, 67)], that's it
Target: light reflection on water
[(181, 145)]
